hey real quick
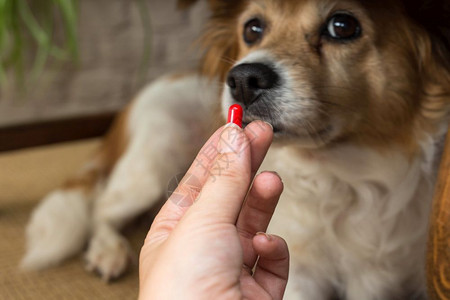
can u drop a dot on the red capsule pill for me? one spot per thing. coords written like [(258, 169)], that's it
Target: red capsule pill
[(235, 114)]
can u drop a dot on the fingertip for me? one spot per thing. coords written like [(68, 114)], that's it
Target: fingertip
[(259, 129), (272, 268), (260, 135), (232, 139), (269, 182), (263, 237), (261, 240), (270, 246)]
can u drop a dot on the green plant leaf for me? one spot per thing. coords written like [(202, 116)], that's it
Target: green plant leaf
[(25, 34)]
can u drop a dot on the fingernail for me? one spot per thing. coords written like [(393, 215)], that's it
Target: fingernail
[(231, 125), (274, 173), (271, 126), (231, 139), (268, 237)]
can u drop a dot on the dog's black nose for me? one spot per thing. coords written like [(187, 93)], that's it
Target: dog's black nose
[(248, 81)]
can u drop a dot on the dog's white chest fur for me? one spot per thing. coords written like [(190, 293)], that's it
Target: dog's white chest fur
[(351, 216)]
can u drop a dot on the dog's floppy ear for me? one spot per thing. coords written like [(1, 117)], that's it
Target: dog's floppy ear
[(220, 39), (434, 17), (432, 41)]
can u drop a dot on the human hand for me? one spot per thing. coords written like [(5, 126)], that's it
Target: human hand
[(203, 244)]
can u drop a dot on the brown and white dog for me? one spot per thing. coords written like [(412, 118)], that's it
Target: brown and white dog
[(358, 93)]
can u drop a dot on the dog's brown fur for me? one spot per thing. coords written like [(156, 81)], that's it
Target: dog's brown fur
[(412, 35), (384, 95)]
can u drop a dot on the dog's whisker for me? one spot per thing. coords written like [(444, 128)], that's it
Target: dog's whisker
[(228, 60)]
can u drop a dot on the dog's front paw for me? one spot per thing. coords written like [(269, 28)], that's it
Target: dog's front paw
[(109, 254)]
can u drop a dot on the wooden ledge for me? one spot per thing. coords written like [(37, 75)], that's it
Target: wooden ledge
[(55, 131)]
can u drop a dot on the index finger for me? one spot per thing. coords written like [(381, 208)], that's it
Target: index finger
[(186, 192), (259, 136), (242, 152)]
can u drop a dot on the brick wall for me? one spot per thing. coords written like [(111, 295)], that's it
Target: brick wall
[(111, 38)]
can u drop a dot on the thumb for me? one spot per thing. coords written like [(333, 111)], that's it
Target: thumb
[(229, 178)]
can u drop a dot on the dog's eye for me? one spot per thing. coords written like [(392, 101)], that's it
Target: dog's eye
[(343, 26), (253, 31)]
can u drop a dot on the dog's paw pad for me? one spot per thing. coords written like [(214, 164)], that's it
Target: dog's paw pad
[(108, 256)]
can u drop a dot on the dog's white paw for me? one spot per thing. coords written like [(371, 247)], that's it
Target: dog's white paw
[(108, 254)]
